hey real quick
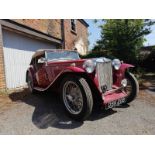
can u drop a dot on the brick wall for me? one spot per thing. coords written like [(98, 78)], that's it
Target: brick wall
[(2, 73), (48, 26), (78, 40), (52, 27)]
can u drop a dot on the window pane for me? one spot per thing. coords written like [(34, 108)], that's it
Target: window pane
[(65, 55), (73, 24)]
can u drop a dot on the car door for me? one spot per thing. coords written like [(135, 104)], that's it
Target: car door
[(53, 70)]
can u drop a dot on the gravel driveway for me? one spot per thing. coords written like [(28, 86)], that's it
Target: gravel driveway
[(43, 114)]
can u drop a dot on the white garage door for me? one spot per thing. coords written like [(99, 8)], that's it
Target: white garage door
[(18, 50)]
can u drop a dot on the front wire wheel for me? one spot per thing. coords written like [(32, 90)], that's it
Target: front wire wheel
[(72, 97), (129, 88), (77, 97), (132, 87)]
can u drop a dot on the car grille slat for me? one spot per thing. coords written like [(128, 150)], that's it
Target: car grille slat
[(104, 73)]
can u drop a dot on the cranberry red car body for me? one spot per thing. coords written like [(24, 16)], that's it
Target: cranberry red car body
[(83, 82)]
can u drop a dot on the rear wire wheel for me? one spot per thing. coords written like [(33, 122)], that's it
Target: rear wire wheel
[(30, 83)]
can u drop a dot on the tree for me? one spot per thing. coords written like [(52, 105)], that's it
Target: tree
[(123, 37)]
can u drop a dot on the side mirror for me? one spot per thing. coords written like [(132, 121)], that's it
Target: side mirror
[(42, 60)]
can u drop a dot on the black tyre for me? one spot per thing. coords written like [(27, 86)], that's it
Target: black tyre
[(132, 88), (30, 83), (77, 97)]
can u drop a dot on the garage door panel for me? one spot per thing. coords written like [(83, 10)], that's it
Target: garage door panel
[(16, 64), (18, 50), (18, 41)]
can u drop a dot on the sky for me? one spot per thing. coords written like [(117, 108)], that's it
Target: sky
[(94, 33)]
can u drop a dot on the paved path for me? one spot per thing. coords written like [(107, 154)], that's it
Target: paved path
[(43, 114)]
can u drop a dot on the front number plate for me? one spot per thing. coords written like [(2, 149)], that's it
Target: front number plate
[(114, 103)]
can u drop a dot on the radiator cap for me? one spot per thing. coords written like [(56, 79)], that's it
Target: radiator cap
[(102, 59)]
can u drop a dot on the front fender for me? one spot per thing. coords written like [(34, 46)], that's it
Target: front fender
[(120, 74), (70, 69), (125, 66)]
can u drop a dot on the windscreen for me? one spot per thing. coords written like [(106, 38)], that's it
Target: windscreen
[(63, 55)]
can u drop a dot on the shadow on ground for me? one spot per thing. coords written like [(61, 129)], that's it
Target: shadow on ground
[(49, 112)]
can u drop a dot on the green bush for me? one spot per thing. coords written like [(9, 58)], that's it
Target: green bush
[(149, 62)]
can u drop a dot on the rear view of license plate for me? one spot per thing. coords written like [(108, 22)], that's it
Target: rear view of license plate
[(114, 103)]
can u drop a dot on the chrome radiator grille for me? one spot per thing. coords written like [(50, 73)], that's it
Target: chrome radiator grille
[(104, 73)]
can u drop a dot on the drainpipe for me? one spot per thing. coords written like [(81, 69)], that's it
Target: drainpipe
[(63, 33)]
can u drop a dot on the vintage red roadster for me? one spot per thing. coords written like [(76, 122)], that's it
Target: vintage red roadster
[(82, 83)]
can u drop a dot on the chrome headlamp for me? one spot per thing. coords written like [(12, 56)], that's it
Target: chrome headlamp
[(89, 66), (116, 63)]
